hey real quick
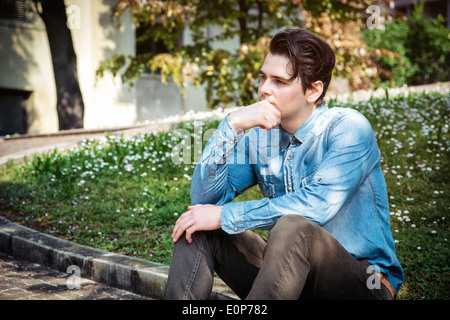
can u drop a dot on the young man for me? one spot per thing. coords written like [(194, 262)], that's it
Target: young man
[(325, 199)]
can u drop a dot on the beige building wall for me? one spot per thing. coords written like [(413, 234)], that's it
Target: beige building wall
[(157, 100), (97, 37), (26, 65)]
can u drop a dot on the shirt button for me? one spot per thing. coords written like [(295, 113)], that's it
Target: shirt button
[(235, 229), (289, 158), (290, 188), (231, 141)]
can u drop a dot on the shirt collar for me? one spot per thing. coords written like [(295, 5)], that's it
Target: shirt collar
[(285, 138), (303, 131)]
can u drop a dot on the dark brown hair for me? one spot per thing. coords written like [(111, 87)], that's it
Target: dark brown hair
[(311, 58)]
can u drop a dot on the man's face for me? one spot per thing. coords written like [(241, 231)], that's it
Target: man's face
[(288, 97)]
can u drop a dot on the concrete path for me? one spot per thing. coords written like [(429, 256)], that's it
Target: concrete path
[(24, 280)]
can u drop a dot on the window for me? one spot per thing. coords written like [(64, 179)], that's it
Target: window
[(15, 10), (13, 114), (148, 45)]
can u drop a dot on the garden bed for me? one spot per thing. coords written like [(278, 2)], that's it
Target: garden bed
[(124, 195)]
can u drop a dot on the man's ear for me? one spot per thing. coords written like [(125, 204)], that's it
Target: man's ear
[(313, 93)]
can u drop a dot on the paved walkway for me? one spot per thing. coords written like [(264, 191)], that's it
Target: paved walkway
[(27, 145), (24, 280)]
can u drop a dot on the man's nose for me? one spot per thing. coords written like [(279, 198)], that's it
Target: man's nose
[(264, 89)]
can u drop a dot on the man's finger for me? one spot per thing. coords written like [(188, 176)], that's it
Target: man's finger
[(175, 235), (179, 231), (176, 227), (181, 225), (189, 233)]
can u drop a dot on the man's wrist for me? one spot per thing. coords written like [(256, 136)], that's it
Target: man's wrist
[(231, 118)]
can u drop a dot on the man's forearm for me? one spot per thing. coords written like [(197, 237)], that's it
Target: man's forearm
[(210, 176)]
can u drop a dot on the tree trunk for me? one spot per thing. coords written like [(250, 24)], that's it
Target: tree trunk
[(69, 105), (243, 7)]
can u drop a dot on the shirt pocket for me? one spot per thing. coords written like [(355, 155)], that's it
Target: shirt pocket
[(267, 188), (310, 178)]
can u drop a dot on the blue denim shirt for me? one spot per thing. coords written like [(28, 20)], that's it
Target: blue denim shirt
[(328, 171)]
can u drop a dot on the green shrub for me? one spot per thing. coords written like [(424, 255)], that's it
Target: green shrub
[(421, 48)]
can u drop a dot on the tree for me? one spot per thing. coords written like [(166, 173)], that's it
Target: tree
[(231, 76), (69, 105)]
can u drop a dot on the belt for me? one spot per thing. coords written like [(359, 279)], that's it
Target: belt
[(384, 281)]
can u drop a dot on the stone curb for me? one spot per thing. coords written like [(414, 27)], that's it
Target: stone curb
[(131, 274)]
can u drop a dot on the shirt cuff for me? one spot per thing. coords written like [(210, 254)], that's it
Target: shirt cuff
[(226, 140), (236, 217), (231, 217)]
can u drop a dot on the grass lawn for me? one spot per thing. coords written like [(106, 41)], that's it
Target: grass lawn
[(124, 195)]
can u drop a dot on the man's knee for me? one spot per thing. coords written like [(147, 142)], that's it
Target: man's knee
[(199, 239), (295, 230), (292, 223)]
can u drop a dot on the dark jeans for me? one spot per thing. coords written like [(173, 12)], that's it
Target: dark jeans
[(300, 260)]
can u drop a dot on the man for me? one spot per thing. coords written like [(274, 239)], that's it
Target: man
[(325, 199)]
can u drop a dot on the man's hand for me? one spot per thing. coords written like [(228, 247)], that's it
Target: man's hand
[(261, 113), (197, 218)]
